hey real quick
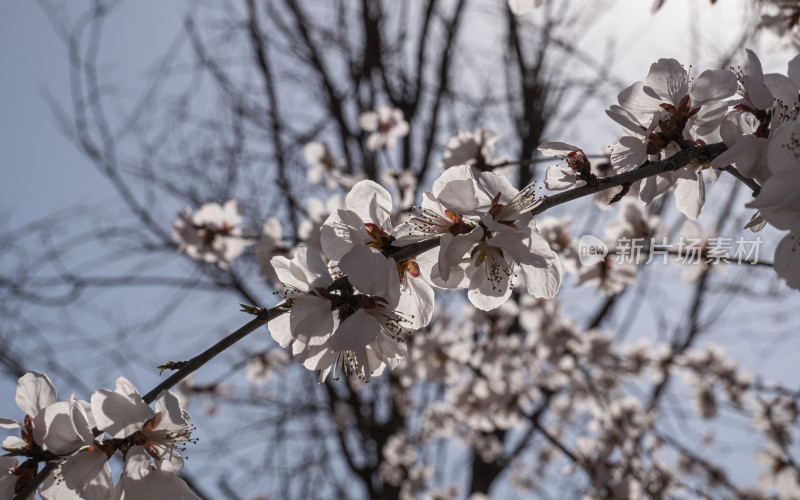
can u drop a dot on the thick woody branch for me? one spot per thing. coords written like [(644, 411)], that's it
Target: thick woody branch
[(411, 251), (701, 154), (26, 492)]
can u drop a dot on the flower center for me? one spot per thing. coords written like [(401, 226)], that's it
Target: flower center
[(380, 238)]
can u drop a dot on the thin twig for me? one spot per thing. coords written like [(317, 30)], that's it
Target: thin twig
[(748, 182), (261, 319)]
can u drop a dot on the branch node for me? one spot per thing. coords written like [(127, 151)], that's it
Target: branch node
[(171, 365), (625, 188)]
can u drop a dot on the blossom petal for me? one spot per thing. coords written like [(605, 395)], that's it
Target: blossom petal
[(343, 230), (624, 118), (62, 428), (540, 267), (486, 295), (453, 249), (140, 480), (543, 282), (368, 121), (520, 7), (490, 282), (85, 474), (35, 392), (308, 263), (8, 423), (355, 332), (794, 70), (456, 190), (782, 88), (173, 416), (13, 442), (757, 92), (756, 223), (315, 152), (638, 102), (283, 269), (460, 172), (749, 155), (557, 148), (668, 79), (781, 154), (690, 195), (310, 317), (787, 260), (713, 85), (628, 153), (416, 298), (559, 177), (371, 202), (319, 358), (491, 184), (120, 412), (707, 121), (733, 128), (367, 270), (778, 200), (280, 330)]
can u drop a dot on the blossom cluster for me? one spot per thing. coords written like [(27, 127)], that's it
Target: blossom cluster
[(486, 237), (82, 436), (530, 392), (499, 369), (363, 279), (669, 112)]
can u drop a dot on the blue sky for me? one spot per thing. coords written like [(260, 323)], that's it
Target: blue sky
[(42, 171)]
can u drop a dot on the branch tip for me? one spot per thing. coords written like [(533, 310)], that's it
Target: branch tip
[(250, 309)]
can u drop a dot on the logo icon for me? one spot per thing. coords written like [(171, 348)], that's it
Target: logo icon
[(591, 250)]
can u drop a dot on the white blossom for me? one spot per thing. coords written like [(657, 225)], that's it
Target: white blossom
[(143, 479), (386, 124), (370, 324), (787, 260), (60, 427), (259, 369), (325, 166), (123, 414), (484, 259), (559, 177), (610, 277), (213, 233), (777, 201), (520, 7), (776, 472), (306, 278), (84, 475), (469, 148)]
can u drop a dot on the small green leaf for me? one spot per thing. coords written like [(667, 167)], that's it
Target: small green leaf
[(250, 309), (171, 365)]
